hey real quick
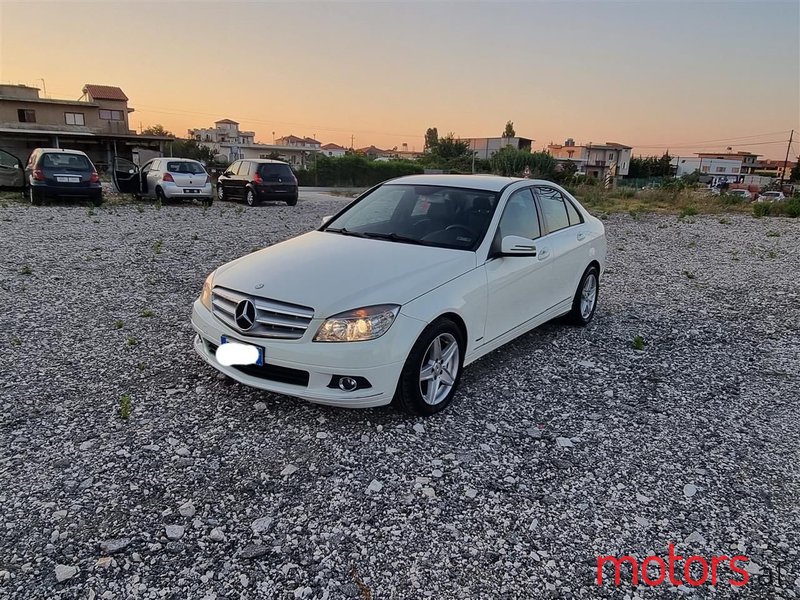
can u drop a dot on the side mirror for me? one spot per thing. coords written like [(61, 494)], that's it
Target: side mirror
[(326, 219), (515, 245)]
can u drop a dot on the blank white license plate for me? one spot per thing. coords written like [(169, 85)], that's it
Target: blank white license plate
[(68, 179), (225, 339)]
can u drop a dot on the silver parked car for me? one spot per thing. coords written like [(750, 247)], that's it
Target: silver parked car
[(164, 179)]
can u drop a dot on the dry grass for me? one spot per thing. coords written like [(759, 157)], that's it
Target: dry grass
[(657, 200)]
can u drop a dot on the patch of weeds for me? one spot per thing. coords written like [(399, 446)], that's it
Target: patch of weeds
[(724, 221), (634, 214), (140, 208), (157, 246), (773, 234), (692, 244), (239, 210), (195, 237), (147, 313), (90, 212), (16, 341), (638, 343), (118, 324), (688, 211), (140, 366), (771, 254), (26, 270), (761, 209), (125, 407), (131, 341), (662, 225), (158, 204), (689, 274)]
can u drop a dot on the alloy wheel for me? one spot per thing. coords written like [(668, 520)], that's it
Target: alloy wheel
[(439, 369), (588, 295)]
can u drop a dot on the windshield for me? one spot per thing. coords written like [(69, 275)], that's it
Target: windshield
[(420, 214), (192, 168)]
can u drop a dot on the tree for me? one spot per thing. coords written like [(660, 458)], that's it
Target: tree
[(509, 130), (431, 138), (190, 149), (157, 129), (509, 161), (795, 174)]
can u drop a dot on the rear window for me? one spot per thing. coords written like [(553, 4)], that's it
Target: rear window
[(276, 173), (72, 162), (193, 168)]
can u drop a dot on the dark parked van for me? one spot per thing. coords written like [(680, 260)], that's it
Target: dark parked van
[(254, 180), (55, 172)]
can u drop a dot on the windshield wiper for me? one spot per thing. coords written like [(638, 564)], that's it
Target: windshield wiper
[(345, 231), (396, 237)]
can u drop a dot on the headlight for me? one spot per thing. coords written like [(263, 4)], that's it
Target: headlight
[(358, 325), (205, 296)]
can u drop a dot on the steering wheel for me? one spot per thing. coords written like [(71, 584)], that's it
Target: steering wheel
[(463, 228)]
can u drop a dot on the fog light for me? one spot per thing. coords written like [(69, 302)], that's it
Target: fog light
[(347, 384)]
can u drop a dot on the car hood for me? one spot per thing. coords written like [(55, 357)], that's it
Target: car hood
[(332, 273)]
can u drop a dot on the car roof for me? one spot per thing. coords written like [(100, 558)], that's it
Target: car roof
[(493, 183), (61, 150), (266, 161), (177, 159)]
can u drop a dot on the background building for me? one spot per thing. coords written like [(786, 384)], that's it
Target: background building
[(97, 124), (485, 147), (595, 160)]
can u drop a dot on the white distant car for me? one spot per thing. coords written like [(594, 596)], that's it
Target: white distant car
[(391, 297), (164, 179), (771, 197), (741, 193)]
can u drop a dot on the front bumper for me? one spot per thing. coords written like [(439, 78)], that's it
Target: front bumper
[(379, 361)]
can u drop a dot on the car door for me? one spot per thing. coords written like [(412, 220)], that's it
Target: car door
[(518, 286), (126, 176), (226, 179), (567, 233), (243, 178), (12, 175)]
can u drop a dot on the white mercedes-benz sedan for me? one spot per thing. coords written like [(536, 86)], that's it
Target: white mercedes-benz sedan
[(393, 296)]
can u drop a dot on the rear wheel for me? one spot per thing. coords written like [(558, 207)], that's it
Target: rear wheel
[(250, 198), (160, 197), (432, 371), (585, 302), (35, 196), (97, 200), (292, 201)]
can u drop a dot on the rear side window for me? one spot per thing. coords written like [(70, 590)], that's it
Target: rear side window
[(276, 173), (73, 162), (182, 166), (244, 168), (554, 209)]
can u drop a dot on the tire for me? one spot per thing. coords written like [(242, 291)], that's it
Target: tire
[(220, 193), (414, 393), (584, 304), (160, 197), (250, 197), (292, 202), (35, 196)]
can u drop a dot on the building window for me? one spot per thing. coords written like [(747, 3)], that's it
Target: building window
[(610, 156), (74, 119), (735, 170), (111, 115), (705, 168), (26, 116), (720, 169)]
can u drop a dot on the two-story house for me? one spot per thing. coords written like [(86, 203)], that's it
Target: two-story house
[(595, 160), (97, 124)]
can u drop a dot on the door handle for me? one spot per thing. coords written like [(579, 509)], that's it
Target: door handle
[(544, 253), (581, 236)]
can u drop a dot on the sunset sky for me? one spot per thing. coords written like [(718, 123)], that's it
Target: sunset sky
[(655, 75)]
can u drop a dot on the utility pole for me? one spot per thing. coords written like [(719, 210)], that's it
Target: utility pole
[(352, 142), (786, 160)]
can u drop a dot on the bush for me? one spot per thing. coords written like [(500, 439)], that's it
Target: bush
[(761, 209), (511, 162), (355, 171)]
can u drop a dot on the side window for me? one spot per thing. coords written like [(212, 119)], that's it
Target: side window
[(234, 168), (8, 161), (244, 168), (575, 217), (519, 216), (554, 209)]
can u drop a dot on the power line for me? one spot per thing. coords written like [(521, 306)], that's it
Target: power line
[(702, 142)]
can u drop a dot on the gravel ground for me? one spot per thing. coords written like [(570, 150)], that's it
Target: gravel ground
[(564, 445)]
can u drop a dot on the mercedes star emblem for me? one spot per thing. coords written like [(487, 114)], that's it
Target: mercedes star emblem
[(245, 315)]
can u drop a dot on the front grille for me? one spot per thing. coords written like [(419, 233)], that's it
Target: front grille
[(274, 319), (268, 371)]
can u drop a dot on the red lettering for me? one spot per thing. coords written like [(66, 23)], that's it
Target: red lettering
[(662, 571), (617, 562), (745, 575), (687, 573), (715, 561), (673, 558)]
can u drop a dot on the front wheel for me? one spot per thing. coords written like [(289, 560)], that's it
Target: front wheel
[(432, 371), (585, 302), (220, 192)]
